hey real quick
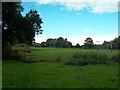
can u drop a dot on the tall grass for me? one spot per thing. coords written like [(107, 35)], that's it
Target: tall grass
[(91, 57)]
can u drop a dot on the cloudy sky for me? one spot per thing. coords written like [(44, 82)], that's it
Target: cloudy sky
[(76, 20)]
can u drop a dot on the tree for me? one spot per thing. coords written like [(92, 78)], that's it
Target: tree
[(68, 44), (10, 13), (50, 42), (16, 28), (43, 44), (116, 43), (59, 42), (77, 45), (88, 43), (35, 21), (106, 45)]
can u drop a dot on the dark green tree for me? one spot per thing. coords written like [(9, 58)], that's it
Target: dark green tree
[(59, 42), (77, 45), (88, 44), (35, 20), (50, 42), (106, 45), (11, 11), (43, 44), (116, 43), (16, 28)]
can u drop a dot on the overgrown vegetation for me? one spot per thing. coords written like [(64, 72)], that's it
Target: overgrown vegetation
[(79, 57), (22, 52), (84, 58)]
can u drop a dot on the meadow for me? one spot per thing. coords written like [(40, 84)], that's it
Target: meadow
[(55, 68)]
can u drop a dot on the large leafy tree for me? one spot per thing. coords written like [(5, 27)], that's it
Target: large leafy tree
[(16, 28), (10, 13), (88, 43), (19, 29), (35, 20)]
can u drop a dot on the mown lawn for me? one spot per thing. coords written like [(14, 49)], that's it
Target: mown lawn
[(17, 74)]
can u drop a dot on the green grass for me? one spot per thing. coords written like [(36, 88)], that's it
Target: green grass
[(65, 54), (56, 75), (51, 72)]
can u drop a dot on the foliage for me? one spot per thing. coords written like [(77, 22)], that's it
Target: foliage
[(77, 45), (88, 43), (34, 18), (10, 13), (17, 28), (20, 50), (59, 42), (115, 44)]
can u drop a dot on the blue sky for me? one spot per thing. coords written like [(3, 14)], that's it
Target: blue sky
[(75, 21)]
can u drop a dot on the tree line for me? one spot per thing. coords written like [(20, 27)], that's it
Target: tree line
[(58, 42), (88, 44)]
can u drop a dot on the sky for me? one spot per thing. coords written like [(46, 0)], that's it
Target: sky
[(76, 20)]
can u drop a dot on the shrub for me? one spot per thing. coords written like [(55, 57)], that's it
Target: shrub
[(20, 50)]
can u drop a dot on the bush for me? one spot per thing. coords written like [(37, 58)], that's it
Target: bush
[(20, 50)]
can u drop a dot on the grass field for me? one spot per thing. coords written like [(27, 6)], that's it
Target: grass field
[(52, 74), (64, 54)]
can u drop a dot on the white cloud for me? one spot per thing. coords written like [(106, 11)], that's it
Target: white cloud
[(95, 6), (80, 39)]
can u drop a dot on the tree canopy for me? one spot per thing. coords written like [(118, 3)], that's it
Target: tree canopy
[(17, 28), (59, 42), (88, 43)]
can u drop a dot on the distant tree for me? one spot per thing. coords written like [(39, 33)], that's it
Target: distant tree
[(116, 43), (43, 44), (68, 44), (106, 45), (50, 42), (88, 43), (77, 45), (59, 42)]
